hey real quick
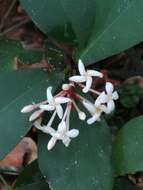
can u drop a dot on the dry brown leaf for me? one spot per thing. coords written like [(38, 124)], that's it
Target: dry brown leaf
[(24, 153)]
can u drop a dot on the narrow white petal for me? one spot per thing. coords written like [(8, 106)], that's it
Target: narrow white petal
[(81, 115), (51, 143), (49, 94), (94, 73), (110, 105), (45, 129), (109, 87), (93, 119), (81, 67), (73, 133), (88, 85), (102, 98), (115, 95), (27, 108), (47, 107), (66, 141), (35, 115), (97, 104), (62, 100), (89, 106), (77, 78), (48, 130), (59, 110), (62, 127)]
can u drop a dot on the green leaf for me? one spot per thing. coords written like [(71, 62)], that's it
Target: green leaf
[(18, 89), (9, 49), (35, 186), (85, 164), (31, 178), (124, 184), (101, 29), (29, 174), (56, 25), (73, 19), (127, 149), (118, 26)]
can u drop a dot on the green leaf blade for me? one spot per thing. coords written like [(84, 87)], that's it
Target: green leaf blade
[(31, 176), (100, 29), (34, 186), (11, 49), (84, 164), (127, 149), (21, 88), (116, 32)]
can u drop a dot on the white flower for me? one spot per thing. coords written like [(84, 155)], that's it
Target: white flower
[(95, 110), (108, 97), (54, 103), (62, 134), (85, 76)]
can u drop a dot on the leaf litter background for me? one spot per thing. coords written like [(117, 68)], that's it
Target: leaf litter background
[(125, 70)]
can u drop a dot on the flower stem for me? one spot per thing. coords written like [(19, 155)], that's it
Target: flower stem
[(76, 107), (51, 119), (79, 97)]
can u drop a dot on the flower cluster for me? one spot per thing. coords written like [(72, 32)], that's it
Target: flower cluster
[(104, 103)]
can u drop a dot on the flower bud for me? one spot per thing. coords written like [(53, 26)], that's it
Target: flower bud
[(65, 86), (81, 115), (27, 108)]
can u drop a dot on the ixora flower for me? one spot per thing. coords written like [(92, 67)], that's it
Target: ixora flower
[(51, 104), (108, 97), (85, 76), (62, 133), (54, 103), (95, 110), (104, 103)]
